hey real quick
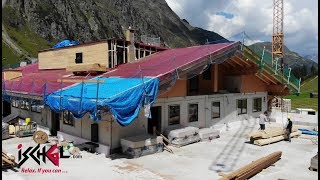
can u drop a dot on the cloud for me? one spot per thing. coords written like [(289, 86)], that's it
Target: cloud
[(255, 18)]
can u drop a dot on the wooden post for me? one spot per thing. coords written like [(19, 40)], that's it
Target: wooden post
[(215, 80)]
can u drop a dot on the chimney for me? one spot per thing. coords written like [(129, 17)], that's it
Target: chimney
[(129, 34)]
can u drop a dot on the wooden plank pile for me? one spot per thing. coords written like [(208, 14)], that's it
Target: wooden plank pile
[(252, 168), (271, 135), (7, 161)]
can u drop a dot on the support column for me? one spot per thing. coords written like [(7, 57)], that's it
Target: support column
[(216, 78)]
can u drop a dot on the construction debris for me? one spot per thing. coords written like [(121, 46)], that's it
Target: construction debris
[(5, 131), (8, 161), (314, 163), (40, 137), (252, 168), (26, 129)]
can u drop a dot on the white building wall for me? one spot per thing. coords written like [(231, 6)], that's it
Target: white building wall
[(228, 108), (81, 131)]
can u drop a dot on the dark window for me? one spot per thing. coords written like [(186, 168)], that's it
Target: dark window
[(194, 84), (67, 118), (193, 112), (15, 103), (174, 114), (120, 58), (215, 110), (78, 58), (257, 102), (36, 106), (206, 75), (242, 106), (311, 113), (24, 104)]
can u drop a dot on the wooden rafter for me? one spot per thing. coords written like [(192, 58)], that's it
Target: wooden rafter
[(237, 62), (230, 63), (267, 77), (225, 65), (257, 75), (247, 63)]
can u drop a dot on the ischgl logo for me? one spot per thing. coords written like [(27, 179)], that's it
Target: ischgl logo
[(37, 155)]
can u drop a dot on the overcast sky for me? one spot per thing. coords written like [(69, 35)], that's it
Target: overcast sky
[(231, 17)]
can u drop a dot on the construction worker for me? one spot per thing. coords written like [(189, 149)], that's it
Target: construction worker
[(262, 120), (288, 129)]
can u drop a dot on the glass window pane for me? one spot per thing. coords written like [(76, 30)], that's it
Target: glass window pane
[(257, 104)]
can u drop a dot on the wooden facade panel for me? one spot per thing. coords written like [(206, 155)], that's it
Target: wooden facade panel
[(178, 90), (9, 75), (62, 58), (205, 86), (250, 83)]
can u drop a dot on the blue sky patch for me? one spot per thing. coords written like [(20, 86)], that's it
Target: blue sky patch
[(225, 14)]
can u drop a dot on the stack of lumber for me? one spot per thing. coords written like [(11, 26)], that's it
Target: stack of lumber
[(271, 135), (7, 161), (253, 168)]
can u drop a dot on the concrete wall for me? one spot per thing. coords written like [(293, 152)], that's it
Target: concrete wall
[(228, 109), (296, 118), (81, 131), (61, 58)]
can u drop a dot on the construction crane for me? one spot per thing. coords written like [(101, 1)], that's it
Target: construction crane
[(277, 36), (278, 40)]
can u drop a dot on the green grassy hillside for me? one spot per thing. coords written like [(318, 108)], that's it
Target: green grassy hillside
[(9, 56), (28, 40), (304, 100), (22, 35)]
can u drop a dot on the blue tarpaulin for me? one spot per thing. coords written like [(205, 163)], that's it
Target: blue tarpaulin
[(306, 131), (122, 96), (65, 43)]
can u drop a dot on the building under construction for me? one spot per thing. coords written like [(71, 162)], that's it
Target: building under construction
[(104, 91)]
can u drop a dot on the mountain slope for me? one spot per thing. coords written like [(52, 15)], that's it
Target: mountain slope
[(301, 67), (91, 20)]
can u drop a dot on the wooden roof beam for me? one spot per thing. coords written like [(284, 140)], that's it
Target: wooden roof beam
[(230, 63), (247, 63), (267, 77), (226, 65), (257, 75), (237, 62)]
